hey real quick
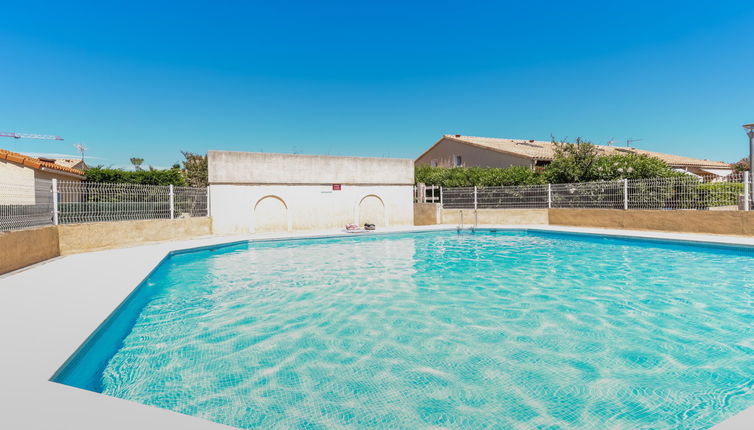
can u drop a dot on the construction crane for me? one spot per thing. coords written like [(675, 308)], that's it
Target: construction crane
[(29, 136)]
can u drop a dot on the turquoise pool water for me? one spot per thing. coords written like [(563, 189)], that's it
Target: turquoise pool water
[(499, 329)]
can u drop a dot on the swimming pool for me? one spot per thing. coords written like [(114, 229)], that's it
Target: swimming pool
[(506, 329)]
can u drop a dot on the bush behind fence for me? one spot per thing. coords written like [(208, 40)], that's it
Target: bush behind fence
[(682, 192)]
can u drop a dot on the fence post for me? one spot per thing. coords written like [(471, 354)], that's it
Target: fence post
[(474, 197), (747, 191), (549, 196), (625, 194), (55, 213), (440, 195), (172, 202)]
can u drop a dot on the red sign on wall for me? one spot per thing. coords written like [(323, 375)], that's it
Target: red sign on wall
[(336, 187)]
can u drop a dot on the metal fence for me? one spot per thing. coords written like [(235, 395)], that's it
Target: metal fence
[(682, 192), (25, 205), (49, 202)]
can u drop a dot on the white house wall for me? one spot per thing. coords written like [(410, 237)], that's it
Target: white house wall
[(307, 207), (253, 192)]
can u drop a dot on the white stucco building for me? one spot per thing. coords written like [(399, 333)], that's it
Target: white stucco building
[(254, 192), (22, 176)]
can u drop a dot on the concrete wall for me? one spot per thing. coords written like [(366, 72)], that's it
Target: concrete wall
[(258, 208), (472, 156), (21, 248), (76, 238), (426, 214), (24, 247), (254, 168), (715, 222), (494, 216), (256, 192)]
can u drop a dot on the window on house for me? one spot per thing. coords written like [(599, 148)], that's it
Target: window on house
[(433, 163), (457, 161)]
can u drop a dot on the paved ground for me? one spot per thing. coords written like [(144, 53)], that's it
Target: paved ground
[(48, 310)]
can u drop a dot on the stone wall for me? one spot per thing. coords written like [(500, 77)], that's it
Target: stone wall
[(426, 213), (76, 238), (22, 248), (686, 221), (494, 216)]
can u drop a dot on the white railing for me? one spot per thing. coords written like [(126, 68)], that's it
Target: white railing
[(50, 202), (683, 192)]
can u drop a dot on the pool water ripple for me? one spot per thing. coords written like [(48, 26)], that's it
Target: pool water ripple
[(487, 330)]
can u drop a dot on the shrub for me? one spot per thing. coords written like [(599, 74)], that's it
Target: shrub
[(630, 166), (477, 176), (573, 162), (172, 176), (581, 162), (721, 193)]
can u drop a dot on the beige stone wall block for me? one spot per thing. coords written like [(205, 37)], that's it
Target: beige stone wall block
[(495, 216), (747, 223), (77, 238), (715, 222), (606, 218), (21, 248), (426, 214)]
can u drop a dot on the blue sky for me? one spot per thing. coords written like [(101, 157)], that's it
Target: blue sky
[(385, 78)]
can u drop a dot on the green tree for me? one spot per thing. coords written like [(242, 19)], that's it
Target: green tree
[(136, 161), (195, 169), (741, 165), (573, 162), (582, 162)]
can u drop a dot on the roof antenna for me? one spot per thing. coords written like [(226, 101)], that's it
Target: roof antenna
[(630, 140), (81, 148)]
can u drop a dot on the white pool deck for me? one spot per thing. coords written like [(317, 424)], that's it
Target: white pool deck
[(48, 310)]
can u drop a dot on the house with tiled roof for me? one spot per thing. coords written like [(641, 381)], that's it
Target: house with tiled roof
[(20, 174), (472, 151)]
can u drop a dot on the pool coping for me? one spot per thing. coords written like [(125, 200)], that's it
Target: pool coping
[(49, 309)]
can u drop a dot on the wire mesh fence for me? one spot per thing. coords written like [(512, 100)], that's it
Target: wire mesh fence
[(674, 193), (48, 202), (458, 198), (588, 195), (190, 202), (26, 205), (688, 193), (512, 197), (93, 202)]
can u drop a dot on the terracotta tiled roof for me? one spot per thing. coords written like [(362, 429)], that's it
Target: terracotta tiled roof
[(542, 150), (35, 163), (67, 162)]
